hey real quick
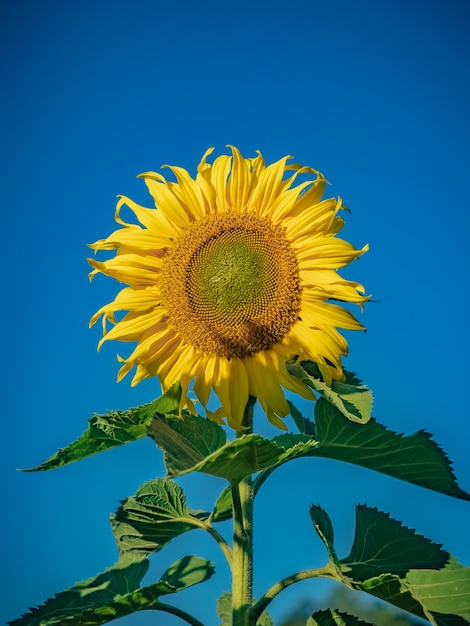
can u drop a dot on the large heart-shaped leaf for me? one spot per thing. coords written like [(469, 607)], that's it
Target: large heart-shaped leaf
[(156, 514), (383, 545), (185, 440), (414, 458), (395, 564), (113, 429), (195, 444), (116, 593)]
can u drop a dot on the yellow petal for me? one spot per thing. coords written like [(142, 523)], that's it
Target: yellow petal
[(219, 174), (188, 192), (204, 381), (132, 237), (313, 221), (173, 213), (150, 218), (328, 253), (231, 387), (314, 313), (134, 269), (269, 186), (265, 386), (240, 182)]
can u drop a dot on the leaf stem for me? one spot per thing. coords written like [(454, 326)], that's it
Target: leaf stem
[(168, 608), (261, 478), (207, 526), (226, 549), (328, 571), (242, 570)]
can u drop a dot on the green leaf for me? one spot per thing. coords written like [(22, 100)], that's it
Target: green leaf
[(440, 596), (294, 446), (445, 593), (112, 429), (239, 458), (322, 523), (264, 620), (116, 593), (146, 522), (395, 564), (330, 617), (193, 443), (188, 571), (305, 426), (250, 454), (350, 397), (393, 589), (223, 507), (224, 611), (415, 458), (185, 440), (383, 545), (77, 606)]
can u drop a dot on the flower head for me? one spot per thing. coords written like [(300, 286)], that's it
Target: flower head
[(229, 278)]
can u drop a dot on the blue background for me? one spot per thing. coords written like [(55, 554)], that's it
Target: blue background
[(376, 96)]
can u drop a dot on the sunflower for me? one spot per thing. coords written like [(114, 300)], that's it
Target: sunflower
[(229, 277)]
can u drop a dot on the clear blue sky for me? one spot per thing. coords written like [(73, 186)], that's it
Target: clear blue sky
[(376, 96)]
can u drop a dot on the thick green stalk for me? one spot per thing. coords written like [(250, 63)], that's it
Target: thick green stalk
[(242, 560)]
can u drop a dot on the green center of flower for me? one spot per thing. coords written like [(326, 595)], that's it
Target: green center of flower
[(229, 278)]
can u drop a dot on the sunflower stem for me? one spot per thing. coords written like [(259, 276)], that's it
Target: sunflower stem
[(242, 562)]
